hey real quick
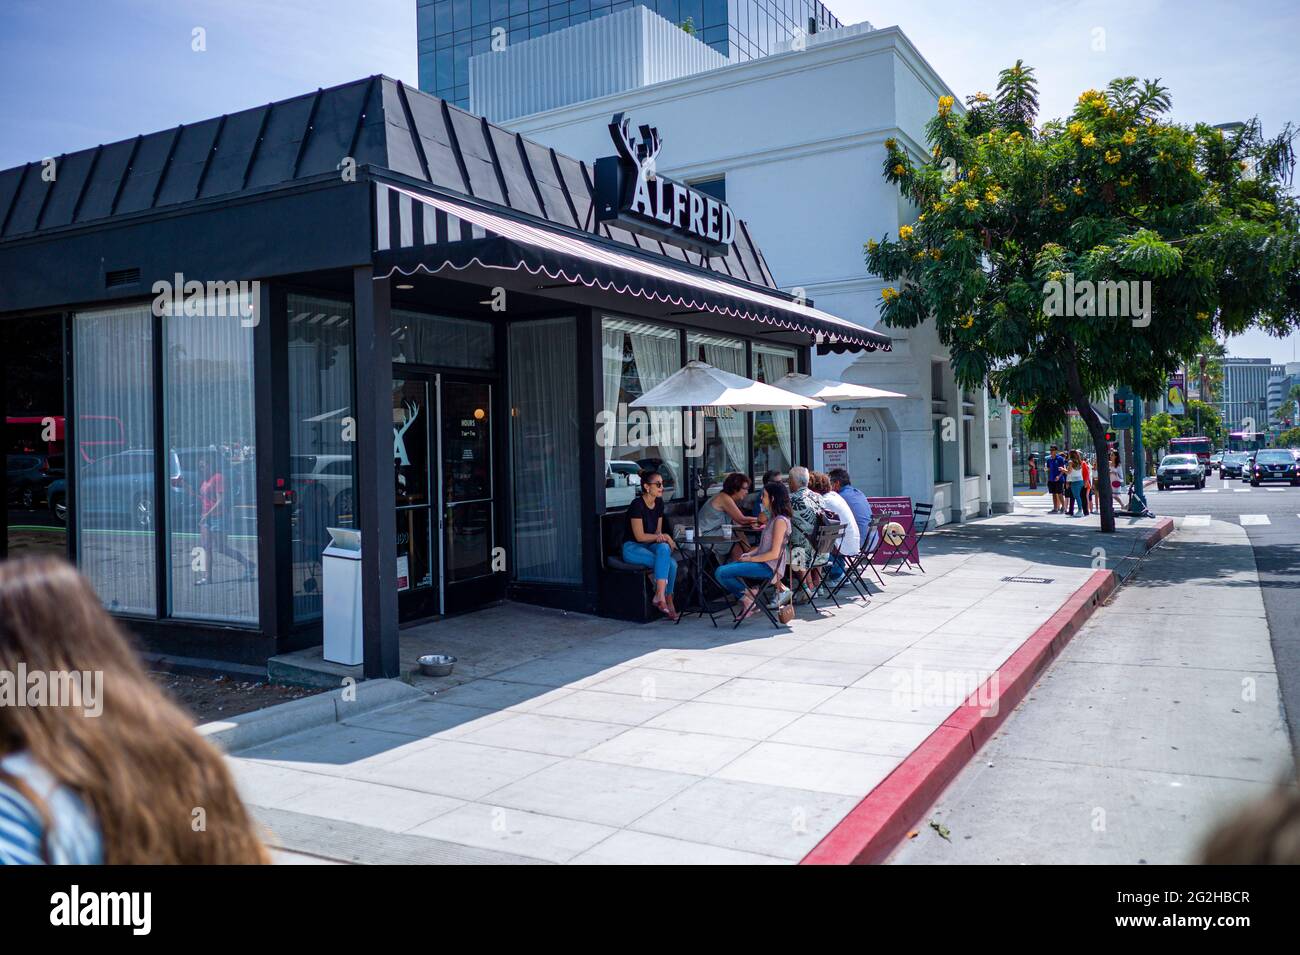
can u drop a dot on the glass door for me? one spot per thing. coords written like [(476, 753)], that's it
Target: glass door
[(414, 464), (468, 524)]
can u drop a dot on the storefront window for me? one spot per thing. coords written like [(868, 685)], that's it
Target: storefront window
[(115, 500), (636, 356), (320, 437), (544, 435), (439, 340), (210, 427), (35, 452), (775, 432), (725, 431)]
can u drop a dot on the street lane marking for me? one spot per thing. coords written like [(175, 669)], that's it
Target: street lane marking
[(1249, 519), (1197, 520), (1209, 490), (1241, 490)]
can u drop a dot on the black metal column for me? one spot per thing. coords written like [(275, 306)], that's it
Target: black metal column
[(376, 499)]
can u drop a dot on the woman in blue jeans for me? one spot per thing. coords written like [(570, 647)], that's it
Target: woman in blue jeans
[(645, 544), (767, 560)]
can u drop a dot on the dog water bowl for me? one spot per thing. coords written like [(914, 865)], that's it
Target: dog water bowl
[(436, 664)]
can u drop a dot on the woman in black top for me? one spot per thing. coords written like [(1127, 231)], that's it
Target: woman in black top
[(646, 545)]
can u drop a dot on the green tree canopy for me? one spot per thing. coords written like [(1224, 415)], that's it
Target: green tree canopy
[(1115, 193)]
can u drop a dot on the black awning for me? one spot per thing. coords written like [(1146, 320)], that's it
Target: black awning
[(417, 232)]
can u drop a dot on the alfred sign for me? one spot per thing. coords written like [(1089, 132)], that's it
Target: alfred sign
[(631, 194)]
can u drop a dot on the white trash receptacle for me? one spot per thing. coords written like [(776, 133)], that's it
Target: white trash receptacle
[(341, 568)]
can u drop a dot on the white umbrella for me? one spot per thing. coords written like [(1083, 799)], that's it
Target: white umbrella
[(827, 390), (700, 385)]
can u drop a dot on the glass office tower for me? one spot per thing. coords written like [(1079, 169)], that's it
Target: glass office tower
[(451, 31)]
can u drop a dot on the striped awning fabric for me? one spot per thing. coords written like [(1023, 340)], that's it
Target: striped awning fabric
[(418, 232)]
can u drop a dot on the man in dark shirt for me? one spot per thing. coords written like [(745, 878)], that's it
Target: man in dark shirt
[(1056, 479)]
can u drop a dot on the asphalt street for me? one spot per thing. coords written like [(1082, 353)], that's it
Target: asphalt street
[(1270, 515)]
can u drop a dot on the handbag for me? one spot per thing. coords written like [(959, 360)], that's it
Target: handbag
[(785, 613)]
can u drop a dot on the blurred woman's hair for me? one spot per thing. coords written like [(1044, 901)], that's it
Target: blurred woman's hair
[(139, 765), (1264, 832), (734, 481), (779, 497), (819, 483)]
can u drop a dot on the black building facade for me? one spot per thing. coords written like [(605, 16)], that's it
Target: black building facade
[(363, 308)]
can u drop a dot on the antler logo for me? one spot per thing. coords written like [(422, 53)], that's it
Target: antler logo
[(641, 154), (411, 412)]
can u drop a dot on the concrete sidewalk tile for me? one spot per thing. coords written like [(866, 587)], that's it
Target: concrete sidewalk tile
[(763, 646), (674, 751), (749, 817), (643, 848), (897, 705), (500, 695), (454, 768), (713, 662), (942, 658), (771, 694), (793, 669), (607, 793), (559, 672), (486, 826), (652, 684), (834, 651), (549, 735), (266, 784), (337, 749), (428, 718), (807, 767), (888, 678), (370, 804), (854, 734), (598, 707), (740, 722)]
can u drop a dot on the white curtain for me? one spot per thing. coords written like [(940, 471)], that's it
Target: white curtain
[(612, 356), (544, 436), (732, 430), (657, 355), (776, 367)]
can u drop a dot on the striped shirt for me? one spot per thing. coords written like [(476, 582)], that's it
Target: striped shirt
[(74, 837)]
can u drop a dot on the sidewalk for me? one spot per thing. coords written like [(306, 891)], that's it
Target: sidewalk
[(676, 744), (1161, 715)]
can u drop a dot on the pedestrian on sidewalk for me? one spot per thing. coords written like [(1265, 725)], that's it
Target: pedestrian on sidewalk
[(1056, 479), (1033, 473), (108, 770), (1074, 478), (1116, 479), (1087, 488)]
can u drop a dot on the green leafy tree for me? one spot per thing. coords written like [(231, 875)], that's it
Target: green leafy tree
[(1157, 432), (1288, 439), (1012, 214), (1211, 422), (1285, 412)]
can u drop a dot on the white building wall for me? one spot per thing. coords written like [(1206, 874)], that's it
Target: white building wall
[(800, 138)]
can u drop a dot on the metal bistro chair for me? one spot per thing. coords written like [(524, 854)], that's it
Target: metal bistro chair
[(825, 541), (910, 554), (765, 594), (856, 565)]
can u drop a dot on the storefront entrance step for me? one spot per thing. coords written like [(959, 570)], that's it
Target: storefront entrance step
[(366, 845), (309, 668)]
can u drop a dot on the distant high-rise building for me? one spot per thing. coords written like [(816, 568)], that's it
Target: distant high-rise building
[(1243, 399), (451, 31)]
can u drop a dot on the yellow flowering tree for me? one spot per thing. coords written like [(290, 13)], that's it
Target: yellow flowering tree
[(1176, 232)]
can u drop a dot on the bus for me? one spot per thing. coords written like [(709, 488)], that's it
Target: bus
[(1247, 441), (1198, 445)]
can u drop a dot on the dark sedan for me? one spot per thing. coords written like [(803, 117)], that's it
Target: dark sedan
[(1232, 464), (1275, 466)]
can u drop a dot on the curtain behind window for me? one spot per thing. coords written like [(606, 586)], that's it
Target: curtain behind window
[(544, 436)]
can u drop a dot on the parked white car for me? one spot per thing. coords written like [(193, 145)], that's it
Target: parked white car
[(622, 483)]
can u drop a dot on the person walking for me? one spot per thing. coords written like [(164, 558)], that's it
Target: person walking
[(212, 522), (1087, 487), (1033, 473), (114, 773)]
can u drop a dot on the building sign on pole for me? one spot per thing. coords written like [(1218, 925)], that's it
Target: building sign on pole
[(1175, 392), (630, 193)]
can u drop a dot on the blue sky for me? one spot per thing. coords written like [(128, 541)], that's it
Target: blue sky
[(74, 73)]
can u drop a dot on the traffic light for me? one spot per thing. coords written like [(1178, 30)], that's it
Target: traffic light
[(1110, 437), (1121, 405)]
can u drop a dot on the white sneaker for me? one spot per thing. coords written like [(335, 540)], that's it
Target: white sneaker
[(780, 600)]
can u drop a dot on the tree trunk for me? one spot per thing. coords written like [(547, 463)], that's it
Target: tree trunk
[(1105, 500)]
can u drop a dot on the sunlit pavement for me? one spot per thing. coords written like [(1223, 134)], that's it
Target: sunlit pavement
[(676, 744)]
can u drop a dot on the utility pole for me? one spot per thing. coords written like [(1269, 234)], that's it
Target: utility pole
[(1139, 464)]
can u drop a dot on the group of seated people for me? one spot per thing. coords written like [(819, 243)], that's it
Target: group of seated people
[(783, 514)]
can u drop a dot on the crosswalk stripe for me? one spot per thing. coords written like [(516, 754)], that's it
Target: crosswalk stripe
[(1252, 519), (1209, 490), (1241, 490)]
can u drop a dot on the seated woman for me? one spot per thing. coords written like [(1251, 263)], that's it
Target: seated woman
[(725, 508), (645, 543), (765, 561)]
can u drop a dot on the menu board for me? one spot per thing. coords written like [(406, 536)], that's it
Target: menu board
[(896, 509)]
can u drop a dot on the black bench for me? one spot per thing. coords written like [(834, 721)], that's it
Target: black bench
[(626, 590)]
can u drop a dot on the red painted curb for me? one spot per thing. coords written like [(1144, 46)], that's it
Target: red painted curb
[(872, 830), (1164, 527)]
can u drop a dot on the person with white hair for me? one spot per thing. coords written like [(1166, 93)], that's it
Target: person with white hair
[(806, 506)]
